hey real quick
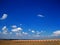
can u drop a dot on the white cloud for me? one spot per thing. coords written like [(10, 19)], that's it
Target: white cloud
[(14, 26), (19, 34), (4, 28), (19, 28), (38, 32), (39, 15), (36, 35), (25, 33), (10, 32), (30, 30), (33, 31), (4, 32), (56, 33), (3, 17), (16, 29)]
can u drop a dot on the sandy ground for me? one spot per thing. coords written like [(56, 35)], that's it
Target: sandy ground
[(29, 42)]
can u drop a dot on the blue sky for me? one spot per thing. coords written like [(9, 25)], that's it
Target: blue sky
[(29, 19)]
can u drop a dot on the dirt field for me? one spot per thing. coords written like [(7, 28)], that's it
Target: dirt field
[(29, 42)]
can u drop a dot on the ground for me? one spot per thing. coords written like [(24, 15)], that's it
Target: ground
[(29, 42)]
